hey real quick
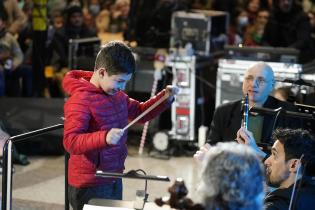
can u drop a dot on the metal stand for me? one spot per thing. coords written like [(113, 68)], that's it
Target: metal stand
[(6, 200)]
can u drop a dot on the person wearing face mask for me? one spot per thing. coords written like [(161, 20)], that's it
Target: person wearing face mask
[(94, 9)]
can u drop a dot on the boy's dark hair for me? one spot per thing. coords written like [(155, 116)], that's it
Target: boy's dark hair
[(297, 142), (116, 57)]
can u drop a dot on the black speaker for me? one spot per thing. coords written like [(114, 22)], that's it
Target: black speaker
[(21, 115)]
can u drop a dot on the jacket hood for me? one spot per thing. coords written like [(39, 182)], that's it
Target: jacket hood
[(78, 81)]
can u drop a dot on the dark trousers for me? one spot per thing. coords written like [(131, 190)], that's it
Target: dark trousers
[(12, 81), (80, 196)]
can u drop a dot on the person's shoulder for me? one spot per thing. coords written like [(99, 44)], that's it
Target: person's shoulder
[(272, 102), (229, 105), (278, 199)]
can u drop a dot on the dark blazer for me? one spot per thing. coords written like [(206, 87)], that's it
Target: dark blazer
[(227, 121), (279, 199)]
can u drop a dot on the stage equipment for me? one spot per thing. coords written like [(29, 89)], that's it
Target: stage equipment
[(231, 72), (188, 109), (6, 201), (205, 29), (307, 109), (262, 53), (159, 63), (82, 53)]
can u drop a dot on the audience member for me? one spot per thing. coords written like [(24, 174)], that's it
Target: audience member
[(73, 28), (252, 7), (16, 18), (283, 93), (311, 16), (232, 178), (254, 33), (292, 158), (288, 26), (119, 15), (11, 63)]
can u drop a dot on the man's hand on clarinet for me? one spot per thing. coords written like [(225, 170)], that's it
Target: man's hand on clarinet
[(244, 136), (114, 135)]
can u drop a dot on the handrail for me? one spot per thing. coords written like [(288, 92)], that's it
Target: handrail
[(6, 200)]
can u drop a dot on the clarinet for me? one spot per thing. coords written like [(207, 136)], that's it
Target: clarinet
[(245, 112)]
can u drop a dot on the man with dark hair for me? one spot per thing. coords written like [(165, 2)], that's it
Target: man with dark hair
[(292, 158), (74, 28)]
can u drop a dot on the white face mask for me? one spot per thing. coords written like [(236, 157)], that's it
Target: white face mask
[(243, 21), (94, 9)]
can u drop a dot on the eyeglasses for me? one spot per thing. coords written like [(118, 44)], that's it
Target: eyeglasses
[(260, 80)]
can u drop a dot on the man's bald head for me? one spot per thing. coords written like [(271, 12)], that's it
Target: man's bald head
[(258, 83)]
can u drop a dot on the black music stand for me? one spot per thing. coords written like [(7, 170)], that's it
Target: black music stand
[(307, 109), (132, 174), (277, 112)]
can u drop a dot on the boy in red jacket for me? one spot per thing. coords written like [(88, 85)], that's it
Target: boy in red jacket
[(95, 114)]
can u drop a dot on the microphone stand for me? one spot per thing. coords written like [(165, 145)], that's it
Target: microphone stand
[(6, 200)]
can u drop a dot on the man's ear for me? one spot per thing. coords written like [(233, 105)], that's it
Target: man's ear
[(294, 164)]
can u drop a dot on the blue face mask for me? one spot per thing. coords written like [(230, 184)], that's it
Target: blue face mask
[(94, 9), (243, 21)]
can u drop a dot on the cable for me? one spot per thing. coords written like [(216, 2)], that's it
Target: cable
[(276, 117), (293, 196), (146, 195)]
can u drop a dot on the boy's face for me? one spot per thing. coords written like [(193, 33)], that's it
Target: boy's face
[(114, 83)]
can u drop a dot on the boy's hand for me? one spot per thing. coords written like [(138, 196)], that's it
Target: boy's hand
[(114, 135), (171, 91), (201, 153)]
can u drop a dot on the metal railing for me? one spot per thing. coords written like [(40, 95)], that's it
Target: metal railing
[(6, 200)]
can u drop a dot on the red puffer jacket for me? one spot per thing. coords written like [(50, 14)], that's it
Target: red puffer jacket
[(89, 115)]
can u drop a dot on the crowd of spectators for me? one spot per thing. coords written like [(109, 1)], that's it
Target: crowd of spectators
[(276, 23)]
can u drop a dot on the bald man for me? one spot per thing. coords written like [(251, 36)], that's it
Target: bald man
[(258, 84)]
